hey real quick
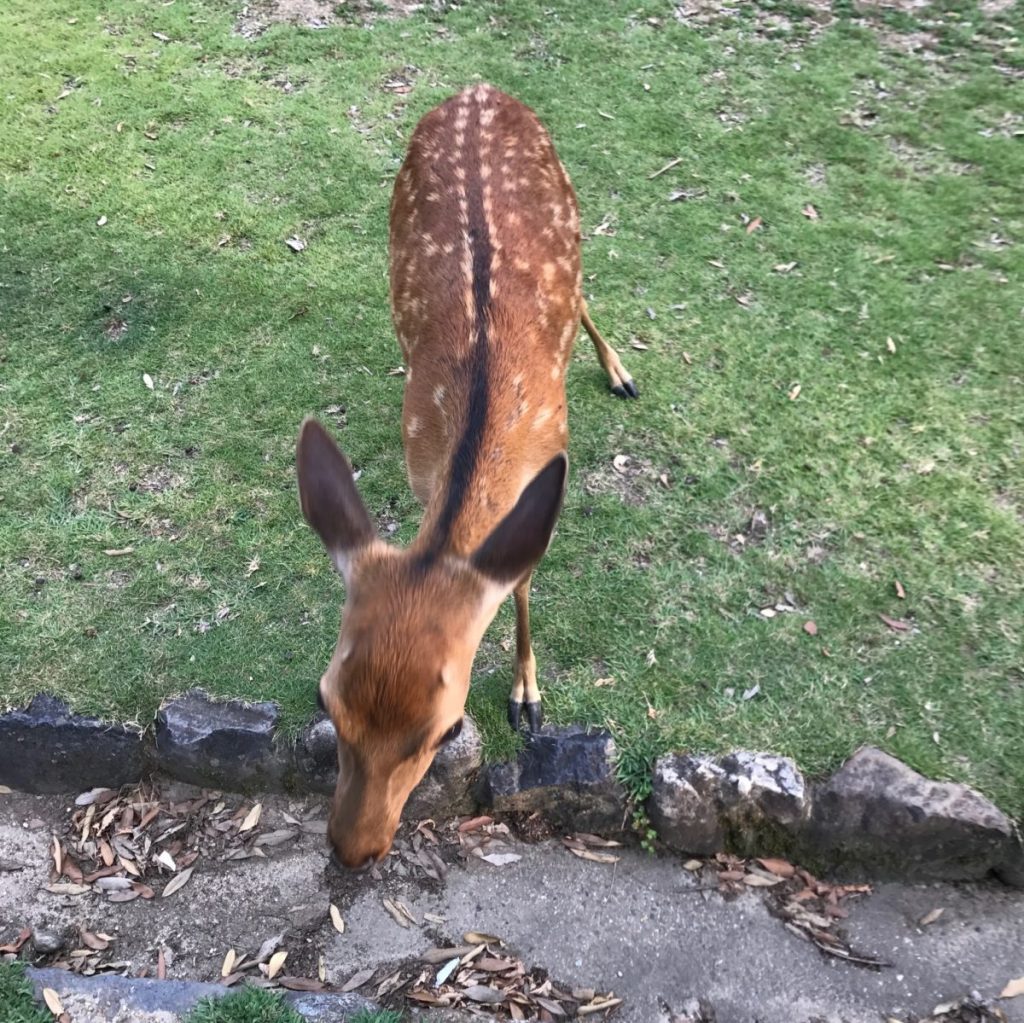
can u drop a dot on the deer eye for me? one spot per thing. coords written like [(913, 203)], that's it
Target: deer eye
[(452, 733)]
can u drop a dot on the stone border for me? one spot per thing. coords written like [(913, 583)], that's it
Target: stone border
[(113, 995), (874, 816)]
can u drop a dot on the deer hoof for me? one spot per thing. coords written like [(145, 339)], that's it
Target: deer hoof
[(627, 389), (534, 716), (514, 709)]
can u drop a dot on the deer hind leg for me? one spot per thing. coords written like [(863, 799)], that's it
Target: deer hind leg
[(621, 382), (524, 689)]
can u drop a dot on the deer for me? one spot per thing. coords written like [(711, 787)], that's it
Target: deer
[(486, 297)]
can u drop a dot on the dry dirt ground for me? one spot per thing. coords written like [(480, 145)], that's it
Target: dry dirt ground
[(643, 927)]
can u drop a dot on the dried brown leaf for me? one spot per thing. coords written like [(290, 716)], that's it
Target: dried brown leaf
[(760, 881), (895, 623), (275, 964), (481, 938), (357, 980), (53, 1002), (811, 628), (15, 946), (474, 824), (781, 868), (228, 966), (486, 995), (754, 225), (595, 857), (301, 983), (252, 818), (177, 882), (337, 919), (397, 915), (1013, 988), (900, 592)]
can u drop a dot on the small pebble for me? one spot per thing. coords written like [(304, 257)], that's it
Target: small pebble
[(47, 942)]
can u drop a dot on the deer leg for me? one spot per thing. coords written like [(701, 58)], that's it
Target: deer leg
[(524, 688), (621, 382)]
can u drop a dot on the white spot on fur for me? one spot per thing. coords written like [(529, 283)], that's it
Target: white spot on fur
[(439, 393), (414, 426)]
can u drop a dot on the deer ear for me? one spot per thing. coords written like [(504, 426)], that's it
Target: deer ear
[(519, 541), (330, 501)]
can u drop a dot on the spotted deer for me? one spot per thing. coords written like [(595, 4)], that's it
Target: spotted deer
[(486, 300)]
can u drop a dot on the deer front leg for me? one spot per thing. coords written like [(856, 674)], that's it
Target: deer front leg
[(524, 688), (621, 382)]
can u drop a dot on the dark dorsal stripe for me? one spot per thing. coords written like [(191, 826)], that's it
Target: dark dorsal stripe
[(467, 451)]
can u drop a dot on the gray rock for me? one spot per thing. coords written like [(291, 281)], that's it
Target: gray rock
[(316, 757), (447, 788), (47, 942), (744, 802), (46, 748), (220, 743), (329, 1008), (878, 815), (566, 774), (445, 791), (125, 997)]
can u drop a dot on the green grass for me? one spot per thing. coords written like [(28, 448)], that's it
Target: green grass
[(383, 1016), (17, 1001), (889, 465), (255, 1005), (250, 1005)]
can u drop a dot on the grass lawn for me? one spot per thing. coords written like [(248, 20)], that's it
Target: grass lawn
[(821, 301), (17, 999)]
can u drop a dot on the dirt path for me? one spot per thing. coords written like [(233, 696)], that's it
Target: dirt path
[(645, 928)]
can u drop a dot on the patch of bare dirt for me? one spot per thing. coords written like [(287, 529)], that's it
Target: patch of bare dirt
[(155, 480), (256, 17), (631, 478), (925, 162)]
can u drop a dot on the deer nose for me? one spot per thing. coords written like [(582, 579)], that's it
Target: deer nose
[(338, 865)]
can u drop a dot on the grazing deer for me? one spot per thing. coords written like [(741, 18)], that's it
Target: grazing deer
[(485, 293)]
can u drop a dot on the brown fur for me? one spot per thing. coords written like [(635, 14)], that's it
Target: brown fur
[(485, 288)]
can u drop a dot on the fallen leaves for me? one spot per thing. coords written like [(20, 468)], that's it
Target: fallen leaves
[(357, 980), (794, 392), (178, 882), (810, 908), (337, 919), (931, 917), (1013, 989), (754, 225), (252, 818), (14, 947), (900, 592), (810, 212), (53, 1002), (148, 381), (896, 624), (481, 975), (810, 628), (277, 960), (400, 912), (295, 244)]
